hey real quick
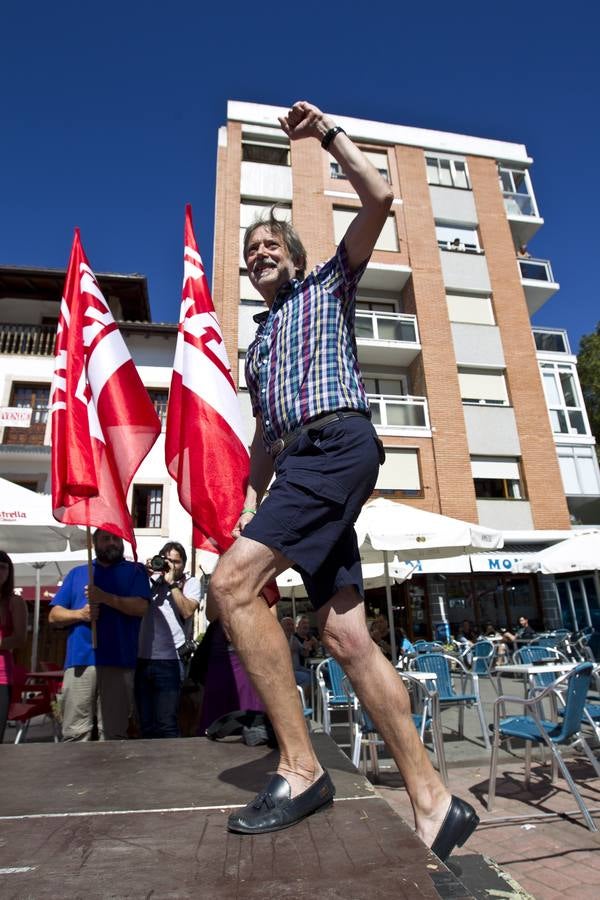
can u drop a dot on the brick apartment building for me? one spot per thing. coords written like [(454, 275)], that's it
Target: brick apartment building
[(450, 364)]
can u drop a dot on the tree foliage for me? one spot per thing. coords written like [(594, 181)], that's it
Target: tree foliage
[(588, 367)]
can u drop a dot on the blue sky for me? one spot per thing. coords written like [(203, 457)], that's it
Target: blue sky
[(109, 116)]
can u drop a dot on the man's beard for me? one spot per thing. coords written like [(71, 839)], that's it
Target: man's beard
[(110, 555)]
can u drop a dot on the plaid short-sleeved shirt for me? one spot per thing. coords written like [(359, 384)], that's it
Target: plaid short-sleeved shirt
[(303, 361)]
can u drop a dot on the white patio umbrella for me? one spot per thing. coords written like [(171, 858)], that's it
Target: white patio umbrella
[(28, 526), (290, 582), (579, 553), (414, 534)]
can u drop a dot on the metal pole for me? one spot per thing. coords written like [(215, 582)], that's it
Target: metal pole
[(390, 611), (586, 605), (572, 605), (597, 586), (36, 616)]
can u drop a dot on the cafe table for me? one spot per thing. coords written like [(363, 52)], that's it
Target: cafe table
[(53, 679), (530, 670)]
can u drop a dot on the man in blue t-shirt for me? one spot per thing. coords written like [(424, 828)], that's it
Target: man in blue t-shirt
[(99, 682)]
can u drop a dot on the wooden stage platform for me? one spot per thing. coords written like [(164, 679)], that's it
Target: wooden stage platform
[(147, 819)]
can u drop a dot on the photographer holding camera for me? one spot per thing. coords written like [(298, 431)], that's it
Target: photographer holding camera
[(165, 643)]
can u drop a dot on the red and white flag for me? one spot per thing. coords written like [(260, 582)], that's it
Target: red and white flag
[(103, 421), (205, 445)]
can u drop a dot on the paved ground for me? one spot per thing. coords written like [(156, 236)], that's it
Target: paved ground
[(545, 856)]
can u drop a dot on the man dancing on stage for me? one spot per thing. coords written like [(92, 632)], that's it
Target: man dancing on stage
[(313, 428)]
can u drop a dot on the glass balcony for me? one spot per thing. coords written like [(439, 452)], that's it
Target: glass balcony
[(27, 340), (536, 269), (387, 337), (518, 204), (538, 282), (395, 413), (551, 340)]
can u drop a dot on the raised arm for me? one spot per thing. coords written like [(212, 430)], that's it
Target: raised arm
[(305, 120)]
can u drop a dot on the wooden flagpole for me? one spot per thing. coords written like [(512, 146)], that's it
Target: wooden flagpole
[(91, 580)]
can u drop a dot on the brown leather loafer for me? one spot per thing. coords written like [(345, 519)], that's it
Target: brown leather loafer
[(273, 809), (459, 824)]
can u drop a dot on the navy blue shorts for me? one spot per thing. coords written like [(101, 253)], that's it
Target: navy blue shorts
[(322, 481)]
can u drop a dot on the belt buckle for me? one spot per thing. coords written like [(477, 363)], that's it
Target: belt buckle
[(276, 447)]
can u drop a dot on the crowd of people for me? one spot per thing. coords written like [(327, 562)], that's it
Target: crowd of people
[(140, 619)]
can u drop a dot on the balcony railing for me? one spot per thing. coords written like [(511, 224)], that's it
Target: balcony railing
[(398, 412), (549, 340), (378, 326), (518, 204), (536, 270), (27, 340)]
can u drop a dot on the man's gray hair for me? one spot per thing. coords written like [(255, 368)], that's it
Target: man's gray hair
[(286, 231)]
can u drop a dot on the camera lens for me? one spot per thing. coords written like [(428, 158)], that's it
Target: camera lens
[(159, 564)]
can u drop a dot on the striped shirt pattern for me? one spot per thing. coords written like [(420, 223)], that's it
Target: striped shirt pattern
[(302, 362)]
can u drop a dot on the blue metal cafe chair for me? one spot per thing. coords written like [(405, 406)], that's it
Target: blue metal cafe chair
[(533, 654), (333, 696), (483, 655), (426, 718), (441, 665), (532, 729)]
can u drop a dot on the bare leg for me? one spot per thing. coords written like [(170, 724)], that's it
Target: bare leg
[(381, 692), (259, 641)]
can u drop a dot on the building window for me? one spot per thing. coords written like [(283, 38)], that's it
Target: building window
[(160, 400), (563, 397), (392, 387), (551, 341), (484, 386), (517, 193), (377, 304), (400, 473), (473, 308), (497, 478), (31, 485), (147, 505), (457, 238), (388, 237), (447, 172), (34, 397), (579, 470), (263, 152), (242, 386), (379, 160)]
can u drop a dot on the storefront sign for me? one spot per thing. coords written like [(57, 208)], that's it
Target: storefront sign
[(15, 416), (498, 562), (476, 562)]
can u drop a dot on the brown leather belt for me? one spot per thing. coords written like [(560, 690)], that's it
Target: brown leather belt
[(315, 424)]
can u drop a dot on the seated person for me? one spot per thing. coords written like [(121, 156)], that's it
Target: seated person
[(404, 645), (379, 634), (467, 633), (287, 623), (523, 633), (492, 633), (302, 645)]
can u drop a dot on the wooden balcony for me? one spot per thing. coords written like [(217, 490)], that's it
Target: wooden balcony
[(27, 340)]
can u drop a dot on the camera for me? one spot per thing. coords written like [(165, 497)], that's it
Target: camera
[(187, 650), (159, 564)]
